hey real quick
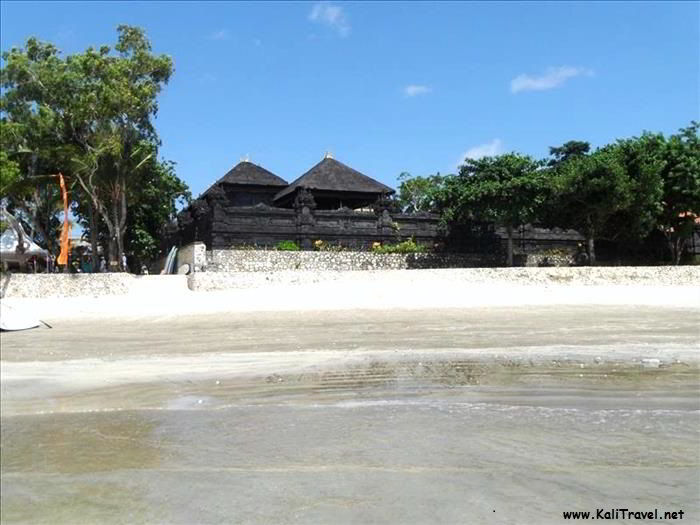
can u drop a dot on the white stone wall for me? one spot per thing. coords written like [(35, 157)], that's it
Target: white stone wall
[(53, 285), (194, 254), (533, 276), (65, 285), (115, 284), (271, 260)]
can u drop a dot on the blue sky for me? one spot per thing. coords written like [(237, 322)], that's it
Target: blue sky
[(393, 87)]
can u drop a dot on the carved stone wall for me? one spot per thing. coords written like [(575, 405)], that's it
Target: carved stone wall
[(266, 226)]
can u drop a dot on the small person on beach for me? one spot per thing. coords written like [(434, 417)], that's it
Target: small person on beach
[(103, 265), (581, 257)]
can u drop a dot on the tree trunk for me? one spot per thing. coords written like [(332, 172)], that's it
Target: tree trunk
[(677, 249), (509, 229), (115, 240), (122, 218), (590, 240), (93, 238), (590, 248)]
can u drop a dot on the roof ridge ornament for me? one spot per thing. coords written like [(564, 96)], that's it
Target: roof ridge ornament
[(244, 159), (328, 155)]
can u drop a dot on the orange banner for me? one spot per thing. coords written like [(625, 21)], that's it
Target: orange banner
[(65, 231)]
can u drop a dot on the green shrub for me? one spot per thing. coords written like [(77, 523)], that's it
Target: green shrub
[(287, 246), (409, 246)]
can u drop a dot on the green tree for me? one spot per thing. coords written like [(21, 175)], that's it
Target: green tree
[(30, 156), (152, 208), (642, 160), (681, 188), (588, 191), (508, 190), (9, 173), (568, 150), (102, 103), (418, 194)]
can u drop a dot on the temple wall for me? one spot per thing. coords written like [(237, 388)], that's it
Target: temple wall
[(223, 228), (270, 260), (266, 226)]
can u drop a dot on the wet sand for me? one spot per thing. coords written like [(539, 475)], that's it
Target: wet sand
[(477, 415)]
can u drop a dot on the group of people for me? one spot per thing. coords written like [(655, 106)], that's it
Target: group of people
[(84, 265), (124, 264)]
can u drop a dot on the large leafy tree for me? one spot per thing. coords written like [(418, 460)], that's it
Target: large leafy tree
[(30, 155), (418, 194), (589, 190), (680, 176), (100, 102), (507, 190), (642, 161)]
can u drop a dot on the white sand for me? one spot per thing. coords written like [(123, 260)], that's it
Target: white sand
[(416, 289)]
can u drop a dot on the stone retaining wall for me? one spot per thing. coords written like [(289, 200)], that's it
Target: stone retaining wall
[(532, 276), (65, 285), (52, 285), (544, 259), (115, 284), (267, 261)]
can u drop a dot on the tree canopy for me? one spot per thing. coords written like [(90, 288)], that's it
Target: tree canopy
[(621, 192), (418, 194), (90, 116), (508, 190)]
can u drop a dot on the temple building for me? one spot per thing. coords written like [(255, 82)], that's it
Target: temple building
[(331, 202), (252, 207)]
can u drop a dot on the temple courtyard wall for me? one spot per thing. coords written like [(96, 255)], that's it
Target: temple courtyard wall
[(199, 259), (266, 261)]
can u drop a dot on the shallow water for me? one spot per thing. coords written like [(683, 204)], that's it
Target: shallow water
[(480, 426)]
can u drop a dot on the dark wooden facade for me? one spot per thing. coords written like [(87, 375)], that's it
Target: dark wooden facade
[(221, 225)]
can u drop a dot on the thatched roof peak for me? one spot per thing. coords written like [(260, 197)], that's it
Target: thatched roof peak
[(332, 175), (247, 173)]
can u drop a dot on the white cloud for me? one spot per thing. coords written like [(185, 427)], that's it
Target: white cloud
[(490, 149), (221, 34), (331, 15), (552, 78), (413, 90)]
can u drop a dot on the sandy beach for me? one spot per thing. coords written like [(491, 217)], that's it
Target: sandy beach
[(383, 397)]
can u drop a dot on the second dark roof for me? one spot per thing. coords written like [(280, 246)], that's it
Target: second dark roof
[(329, 174), (251, 174)]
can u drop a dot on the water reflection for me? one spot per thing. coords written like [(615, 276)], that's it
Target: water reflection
[(414, 441)]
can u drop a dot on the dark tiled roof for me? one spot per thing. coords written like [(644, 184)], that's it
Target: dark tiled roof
[(329, 174), (248, 173)]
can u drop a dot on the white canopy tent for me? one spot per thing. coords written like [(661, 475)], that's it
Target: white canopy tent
[(9, 243)]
